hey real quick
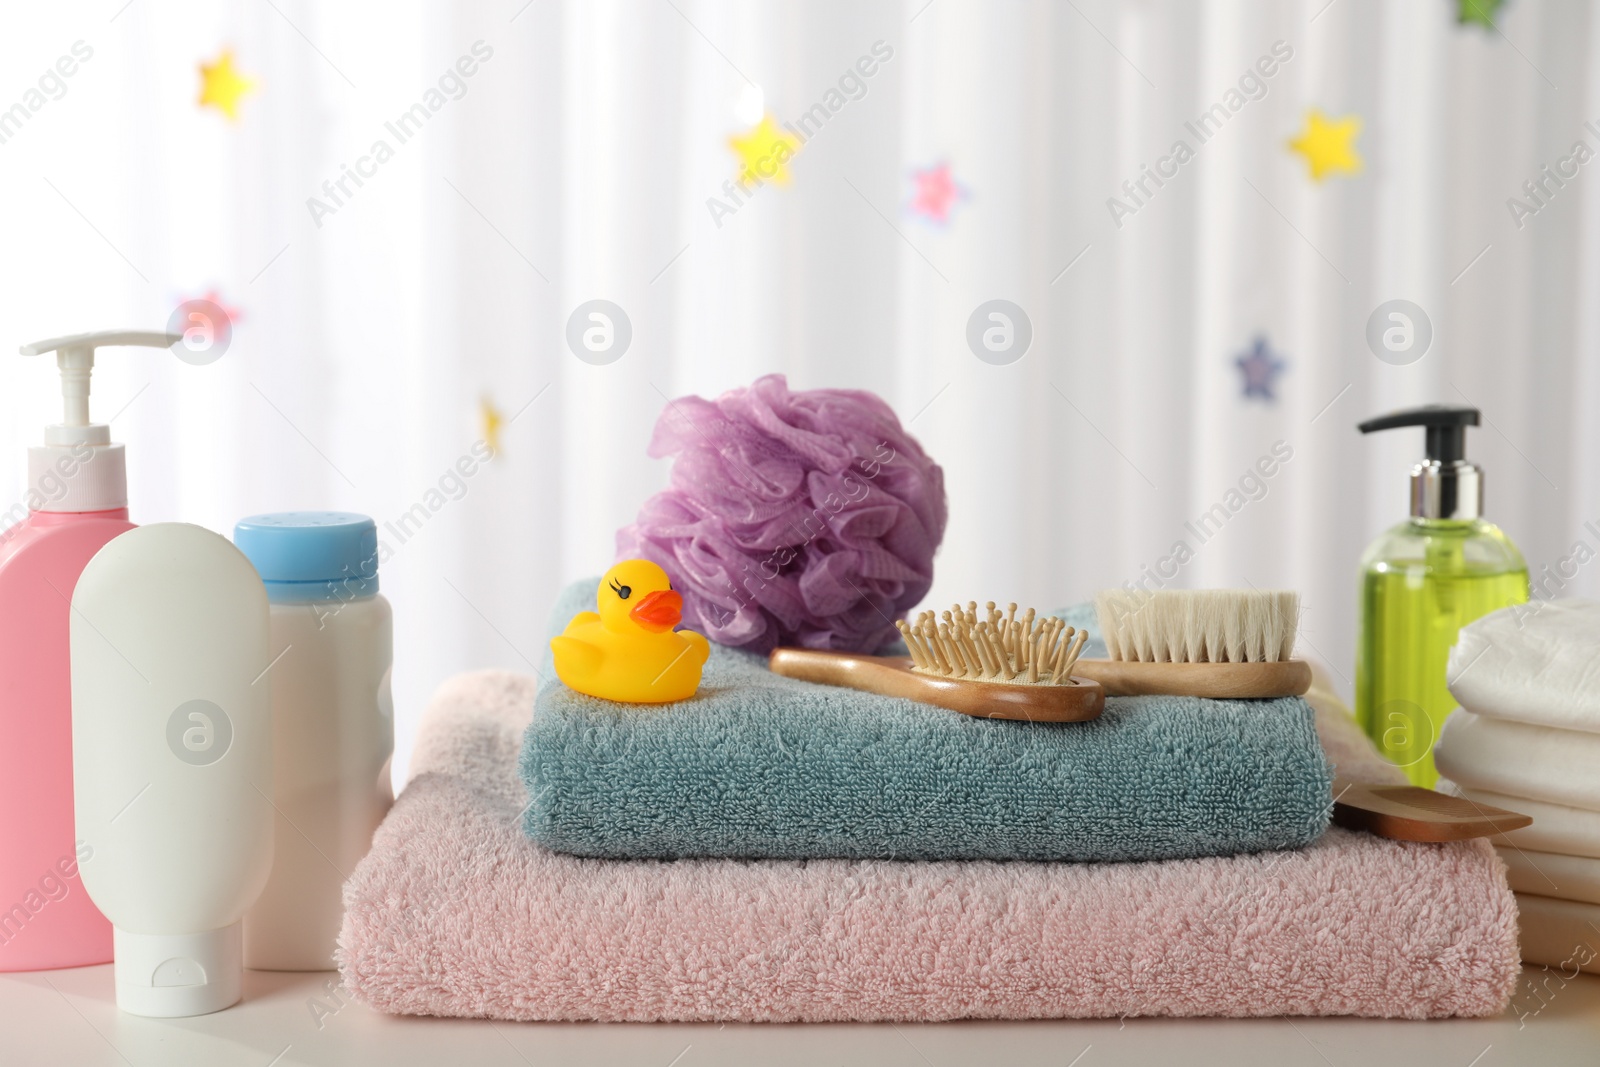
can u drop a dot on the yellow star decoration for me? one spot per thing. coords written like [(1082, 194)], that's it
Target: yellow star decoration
[(1329, 147), (490, 419), (222, 87), (765, 152)]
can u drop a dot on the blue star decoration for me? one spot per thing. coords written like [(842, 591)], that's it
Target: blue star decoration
[(1260, 368)]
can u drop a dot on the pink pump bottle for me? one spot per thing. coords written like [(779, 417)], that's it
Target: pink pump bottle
[(77, 500)]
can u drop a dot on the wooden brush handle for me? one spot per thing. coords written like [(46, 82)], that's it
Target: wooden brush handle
[(1218, 681), (1411, 813), (892, 676)]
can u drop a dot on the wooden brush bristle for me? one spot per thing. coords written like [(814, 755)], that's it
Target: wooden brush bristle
[(958, 643)]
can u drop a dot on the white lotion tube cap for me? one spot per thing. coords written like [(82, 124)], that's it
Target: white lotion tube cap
[(78, 468), (172, 976)]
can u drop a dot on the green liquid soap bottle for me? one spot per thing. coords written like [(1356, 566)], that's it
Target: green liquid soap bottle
[(1422, 581)]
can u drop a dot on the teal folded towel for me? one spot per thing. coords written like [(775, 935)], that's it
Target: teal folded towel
[(756, 765)]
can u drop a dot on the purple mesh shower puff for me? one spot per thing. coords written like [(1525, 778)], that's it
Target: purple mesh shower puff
[(793, 518)]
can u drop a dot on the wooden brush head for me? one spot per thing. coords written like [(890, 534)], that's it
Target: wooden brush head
[(993, 648), (1198, 625)]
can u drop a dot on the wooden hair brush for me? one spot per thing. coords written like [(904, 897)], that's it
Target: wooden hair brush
[(993, 668), (1221, 644), (1217, 643)]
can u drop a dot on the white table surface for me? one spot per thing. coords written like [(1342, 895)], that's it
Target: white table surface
[(70, 1018)]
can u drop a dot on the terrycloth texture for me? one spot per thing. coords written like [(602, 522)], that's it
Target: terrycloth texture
[(760, 766), (1550, 874), (456, 912), (1563, 935), (1556, 827), (1347, 749), (1539, 762), (1537, 663)]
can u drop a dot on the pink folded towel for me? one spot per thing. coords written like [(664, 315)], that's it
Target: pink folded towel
[(456, 912)]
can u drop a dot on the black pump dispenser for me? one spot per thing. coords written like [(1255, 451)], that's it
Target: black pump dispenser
[(1446, 428), (1445, 485)]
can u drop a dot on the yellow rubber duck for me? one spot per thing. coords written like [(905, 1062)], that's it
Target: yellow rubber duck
[(629, 651)]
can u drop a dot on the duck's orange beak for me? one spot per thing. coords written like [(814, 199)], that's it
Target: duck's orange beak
[(659, 611)]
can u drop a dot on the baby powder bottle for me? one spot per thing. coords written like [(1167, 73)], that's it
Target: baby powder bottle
[(333, 724)]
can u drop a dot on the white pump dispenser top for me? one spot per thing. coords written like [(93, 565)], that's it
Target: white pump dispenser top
[(78, 468)]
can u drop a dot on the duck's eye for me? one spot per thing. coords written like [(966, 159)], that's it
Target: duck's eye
[(624, 591)]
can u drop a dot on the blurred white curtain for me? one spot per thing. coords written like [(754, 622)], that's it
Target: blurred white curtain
[(576, 161)]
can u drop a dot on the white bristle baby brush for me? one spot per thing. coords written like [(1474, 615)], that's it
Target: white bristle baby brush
[(1220, 643)]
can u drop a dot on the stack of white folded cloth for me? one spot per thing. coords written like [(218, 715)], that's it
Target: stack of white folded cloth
[(1528, 739)]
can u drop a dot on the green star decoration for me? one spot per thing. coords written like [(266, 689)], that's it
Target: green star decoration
[(1481, 12)]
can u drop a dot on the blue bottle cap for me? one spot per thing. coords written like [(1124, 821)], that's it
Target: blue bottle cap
[(312, 555)]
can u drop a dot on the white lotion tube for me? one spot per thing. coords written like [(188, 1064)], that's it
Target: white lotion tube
[(172, 760)]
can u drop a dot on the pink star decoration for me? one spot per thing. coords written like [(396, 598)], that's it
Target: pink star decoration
[(936, 193), (235, 316)]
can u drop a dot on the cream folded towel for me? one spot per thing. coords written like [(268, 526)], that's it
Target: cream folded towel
[(1556, 766), (1563, 935), (1556, 827), (1532, 663), (1553, 875)]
